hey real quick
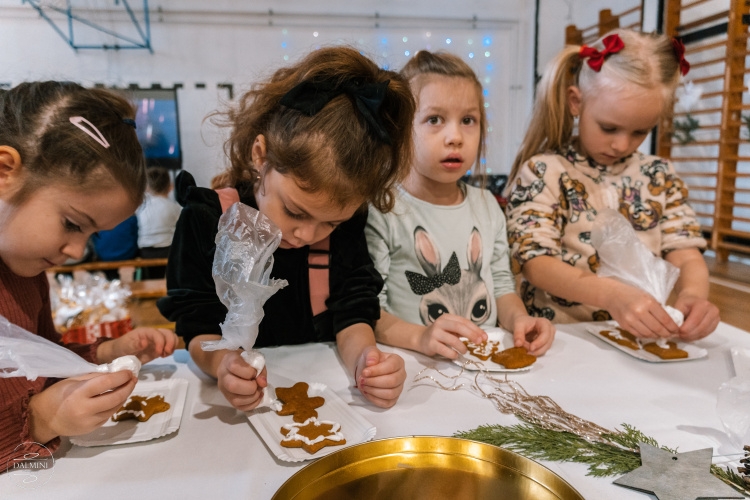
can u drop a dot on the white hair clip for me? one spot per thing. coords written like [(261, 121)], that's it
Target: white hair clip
[(93, 132)]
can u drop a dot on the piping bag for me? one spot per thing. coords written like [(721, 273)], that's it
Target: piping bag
[(625, 257), (245, 244), (24, 354)]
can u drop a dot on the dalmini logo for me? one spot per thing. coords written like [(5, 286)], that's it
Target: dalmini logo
[(31, 469)]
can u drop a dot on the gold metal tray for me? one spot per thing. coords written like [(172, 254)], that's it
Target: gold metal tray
[(425, 467)]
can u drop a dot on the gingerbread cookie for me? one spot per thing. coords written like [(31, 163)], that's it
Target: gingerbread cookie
[(622, 337), (297, 403), (514, 358), (141, 408), (669, 352), (484, 350), (312, 435)]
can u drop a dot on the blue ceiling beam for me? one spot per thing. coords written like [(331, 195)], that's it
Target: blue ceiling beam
[(144, 31)]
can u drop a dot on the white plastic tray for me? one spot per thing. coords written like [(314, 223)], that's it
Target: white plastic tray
[(133, 431), (268, 423), (497, 334), (693, 351)]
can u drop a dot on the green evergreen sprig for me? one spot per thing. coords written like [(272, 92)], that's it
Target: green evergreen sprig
[(683, 130), (615, 454), (731, 478)]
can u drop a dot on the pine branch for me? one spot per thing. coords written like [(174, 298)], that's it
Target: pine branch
[(535, 442), (614, 455), (731, 478)]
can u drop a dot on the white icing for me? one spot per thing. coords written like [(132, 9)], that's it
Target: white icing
[(269, 400), (486, 349), (293, 429), (675, 314), (616, 334), (138, 413), (663, 343), (254, 359), (128, 362)]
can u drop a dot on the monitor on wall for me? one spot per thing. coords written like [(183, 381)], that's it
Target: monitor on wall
[(157, 126)]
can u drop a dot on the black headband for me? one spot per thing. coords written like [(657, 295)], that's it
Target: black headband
[(310, 96), (129, 121)]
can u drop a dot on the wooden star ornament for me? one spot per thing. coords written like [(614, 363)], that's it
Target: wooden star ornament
[(676, 476)]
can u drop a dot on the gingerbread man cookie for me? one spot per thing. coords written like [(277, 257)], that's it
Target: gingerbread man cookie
[(141, 408), (514, 358), (297, 403), (482, 351), (312, 435)]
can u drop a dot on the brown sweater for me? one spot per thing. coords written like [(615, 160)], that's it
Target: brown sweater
[(25, 302)]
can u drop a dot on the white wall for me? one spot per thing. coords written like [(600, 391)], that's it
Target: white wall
[(238, 42)]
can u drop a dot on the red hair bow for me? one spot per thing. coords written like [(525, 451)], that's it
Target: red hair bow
[(679, 52), (612, 45)]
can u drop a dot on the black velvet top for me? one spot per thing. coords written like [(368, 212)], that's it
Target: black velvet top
[(192, 302)]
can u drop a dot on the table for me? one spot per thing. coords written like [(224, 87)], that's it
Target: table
[(217, 454)]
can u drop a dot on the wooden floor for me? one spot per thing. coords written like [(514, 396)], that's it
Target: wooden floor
[(730, 291)]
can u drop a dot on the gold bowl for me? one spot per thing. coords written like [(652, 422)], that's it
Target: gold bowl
[(425, 468)]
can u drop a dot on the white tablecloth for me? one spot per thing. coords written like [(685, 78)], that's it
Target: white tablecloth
[(217, 454)]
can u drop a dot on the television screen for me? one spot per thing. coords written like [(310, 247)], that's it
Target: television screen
[(157, 126)]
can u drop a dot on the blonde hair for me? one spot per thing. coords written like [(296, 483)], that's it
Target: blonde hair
[(647, 60), (425, 63)]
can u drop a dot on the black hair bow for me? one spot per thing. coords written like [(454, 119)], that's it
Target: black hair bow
[(312, 95), (422, 285)]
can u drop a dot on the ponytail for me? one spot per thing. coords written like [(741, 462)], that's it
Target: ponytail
[(551, 125)]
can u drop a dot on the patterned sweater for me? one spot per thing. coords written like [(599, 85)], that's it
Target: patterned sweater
[(25, 302), (554, 200)]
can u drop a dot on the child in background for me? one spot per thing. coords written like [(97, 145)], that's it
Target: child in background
[(619, 90), (443, 250), (157, 218), (309, 148), (118, 243), (70, 165)]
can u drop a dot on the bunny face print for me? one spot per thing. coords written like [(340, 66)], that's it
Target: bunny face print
[(451, 289), (439, 260)]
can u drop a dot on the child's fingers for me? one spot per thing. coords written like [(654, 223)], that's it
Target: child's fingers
[(115, 398), (384, 398), (246, 403), (389, 363), (239, 368), (461, 327), (106, 383), (171, 341)]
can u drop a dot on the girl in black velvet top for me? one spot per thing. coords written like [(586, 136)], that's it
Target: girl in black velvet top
[(309, 148)]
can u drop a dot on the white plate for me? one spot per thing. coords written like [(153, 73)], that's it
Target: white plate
[(268, 423), (473, 363), (693, 351), (741, 361), (133, 431)]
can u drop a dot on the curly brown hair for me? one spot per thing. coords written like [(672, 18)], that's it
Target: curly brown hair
[(35, 120), (333, 151)]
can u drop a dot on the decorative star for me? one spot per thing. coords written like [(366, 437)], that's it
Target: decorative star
[(676, 476)]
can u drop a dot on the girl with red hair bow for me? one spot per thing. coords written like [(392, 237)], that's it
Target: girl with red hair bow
[(564, 175)]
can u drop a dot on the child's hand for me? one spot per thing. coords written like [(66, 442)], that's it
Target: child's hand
[(535, 334), (380, 376), (145, 343), (239, 382), (79, 404), (442, 337), (639, 313), (701, 317)]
